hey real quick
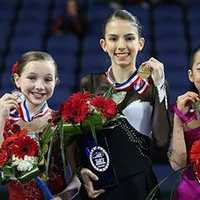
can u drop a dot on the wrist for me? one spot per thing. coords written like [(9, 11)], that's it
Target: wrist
[(185, 117)]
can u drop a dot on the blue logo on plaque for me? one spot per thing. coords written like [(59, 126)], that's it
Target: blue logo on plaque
[(99, 159)]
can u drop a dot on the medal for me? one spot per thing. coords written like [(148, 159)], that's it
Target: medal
[(144, 72), (23, 111), (19, 95), (196, 106)]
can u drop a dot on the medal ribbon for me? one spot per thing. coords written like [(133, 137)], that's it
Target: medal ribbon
[(134, 82), (24, 113)]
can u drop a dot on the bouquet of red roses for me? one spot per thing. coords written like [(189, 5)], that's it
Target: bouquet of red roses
[(84, 110), (22, 154)]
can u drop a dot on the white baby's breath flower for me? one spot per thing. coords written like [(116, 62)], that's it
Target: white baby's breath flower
[(25, 164)]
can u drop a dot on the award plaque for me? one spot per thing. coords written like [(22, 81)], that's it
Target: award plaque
[(97, 158)]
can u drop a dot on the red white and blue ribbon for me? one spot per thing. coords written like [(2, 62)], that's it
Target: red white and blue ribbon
[(23, 112), (134, 82)]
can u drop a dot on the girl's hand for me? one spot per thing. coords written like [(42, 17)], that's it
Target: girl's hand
[(7, 102), (157, 70), (186, 99), (88, 176)]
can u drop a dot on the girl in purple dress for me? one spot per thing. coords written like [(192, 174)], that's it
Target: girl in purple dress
[(186, 131)]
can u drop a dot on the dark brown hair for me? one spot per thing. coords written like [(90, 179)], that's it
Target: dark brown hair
[(124, 15), (192, 86), (34, 56), (193, 54)]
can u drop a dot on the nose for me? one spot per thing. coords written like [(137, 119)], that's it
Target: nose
[(39, 84), (121, 44)]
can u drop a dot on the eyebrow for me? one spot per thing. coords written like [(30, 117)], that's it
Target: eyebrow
[(33, 73), (129, 34)]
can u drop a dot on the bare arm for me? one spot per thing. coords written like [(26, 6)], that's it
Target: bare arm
[(177, 151), (7, 102)]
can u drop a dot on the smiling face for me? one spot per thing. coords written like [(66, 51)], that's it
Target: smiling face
[(194, 73), (122, 42), (37, 82)]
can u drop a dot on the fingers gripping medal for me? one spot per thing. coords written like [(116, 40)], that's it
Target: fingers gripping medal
[(196, 107), (20, 99), (144, 72), (19, 95)]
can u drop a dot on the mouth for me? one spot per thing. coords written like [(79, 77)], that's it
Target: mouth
[(38, 95), (122, 55)]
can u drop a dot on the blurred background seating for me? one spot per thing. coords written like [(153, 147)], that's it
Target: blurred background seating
[(171, 30)]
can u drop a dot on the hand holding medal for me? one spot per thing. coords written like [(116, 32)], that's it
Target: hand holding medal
[(8, 102), (153, 68)]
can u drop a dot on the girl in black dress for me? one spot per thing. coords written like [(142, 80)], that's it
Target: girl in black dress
[(144, 106)]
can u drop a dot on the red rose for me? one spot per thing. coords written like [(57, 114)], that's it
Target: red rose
[(24, 146), (3, 157), (10, 140), (106, 106), (75, 109), (195, 151), (195, 158), (10, 128)]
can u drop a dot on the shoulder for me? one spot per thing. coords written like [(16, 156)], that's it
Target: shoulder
[(88, 80)]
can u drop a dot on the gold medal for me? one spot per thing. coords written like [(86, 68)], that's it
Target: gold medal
[(196, 106), (144, 72)]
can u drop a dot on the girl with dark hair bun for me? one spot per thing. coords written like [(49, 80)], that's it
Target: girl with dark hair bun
[(184, 149), (144, 106)]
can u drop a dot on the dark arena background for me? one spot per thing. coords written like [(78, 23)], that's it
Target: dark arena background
[(171, 31)]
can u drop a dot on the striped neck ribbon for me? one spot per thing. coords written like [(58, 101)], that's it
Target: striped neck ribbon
[(22, 112), (134, 82)]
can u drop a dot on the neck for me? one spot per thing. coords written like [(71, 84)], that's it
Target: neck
[(32, 108), (121, 74)]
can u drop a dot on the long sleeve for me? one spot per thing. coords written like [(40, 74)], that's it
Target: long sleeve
[(161, 127)]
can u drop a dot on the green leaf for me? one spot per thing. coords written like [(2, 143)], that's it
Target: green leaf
[(46, 138), (62, 147), (26, 176), (71, 129), (93, 123), (5, 173), (95, 119), (92, 127), (108, 93)]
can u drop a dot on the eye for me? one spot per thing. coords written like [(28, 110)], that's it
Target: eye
[(130, 38), (48, 79), (113, 39), (31, 77)]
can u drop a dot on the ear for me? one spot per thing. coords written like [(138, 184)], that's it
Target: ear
[(103, 44), (141, 43), (57, 81), (190, 75), (16, 78)]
